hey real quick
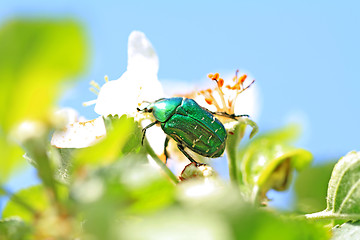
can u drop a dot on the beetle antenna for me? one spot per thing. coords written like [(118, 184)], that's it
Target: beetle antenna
[(232, 116), (144, 110)]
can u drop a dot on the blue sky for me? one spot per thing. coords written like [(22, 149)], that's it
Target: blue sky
[(304, 55)]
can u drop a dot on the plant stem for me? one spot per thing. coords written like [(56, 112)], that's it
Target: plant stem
[(231, 155), (232, 144), (330, 215), (161, 164)]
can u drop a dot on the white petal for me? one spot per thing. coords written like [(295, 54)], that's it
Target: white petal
[(139, 83), (80, 134), (200, 99), (142, 57), (248, 103), (118, 96)]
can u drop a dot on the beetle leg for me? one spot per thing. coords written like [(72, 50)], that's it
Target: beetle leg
[(144, 130), (232, 116), (165, 148), (181, 148)]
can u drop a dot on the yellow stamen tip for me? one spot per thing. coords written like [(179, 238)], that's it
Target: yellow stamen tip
[(95, 84)]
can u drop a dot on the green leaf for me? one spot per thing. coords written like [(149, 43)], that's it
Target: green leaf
[(233, 223), (346, 231), (34, 197), (269, 160), (12, 158), (214, 201), (343, 196), (35, 56), (124, 189), (133, 143), (344, 185), (116, 144), (311, 187), (14, 229), (263, 225)]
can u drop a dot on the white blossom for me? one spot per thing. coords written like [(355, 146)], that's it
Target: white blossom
[(139, 83)]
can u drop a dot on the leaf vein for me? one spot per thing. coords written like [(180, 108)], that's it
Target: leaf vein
[(348, 195)]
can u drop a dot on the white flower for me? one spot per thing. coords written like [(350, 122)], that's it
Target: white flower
[(122, 96), (139, 83)]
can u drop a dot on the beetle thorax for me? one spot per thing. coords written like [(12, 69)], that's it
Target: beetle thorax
[(163, 109)]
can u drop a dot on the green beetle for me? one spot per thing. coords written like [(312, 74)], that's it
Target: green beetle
[(190, 125)]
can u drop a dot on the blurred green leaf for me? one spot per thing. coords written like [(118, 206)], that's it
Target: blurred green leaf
[(257, 224), (176, 223), (14, 229), (12, 159), (116, 144), (34, 196), (343, 196), (35, 56), (346, 231), (124, 189), (269, 160), (212, 200), (220, 223), (311, 187), (148, 190)]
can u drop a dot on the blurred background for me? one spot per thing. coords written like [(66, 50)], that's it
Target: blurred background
[(304, 56)]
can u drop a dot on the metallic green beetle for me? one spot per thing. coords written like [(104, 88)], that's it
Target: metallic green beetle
[(189, 125)]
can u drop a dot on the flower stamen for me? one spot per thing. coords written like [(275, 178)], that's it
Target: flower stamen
[(227, 100), (93, 90), (95, 85)]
